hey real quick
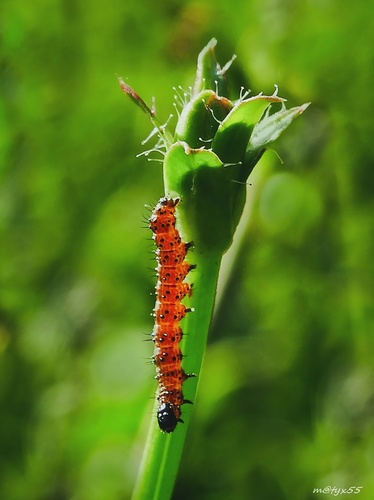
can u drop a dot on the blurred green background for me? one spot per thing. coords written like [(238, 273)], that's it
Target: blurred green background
[(286, 397)]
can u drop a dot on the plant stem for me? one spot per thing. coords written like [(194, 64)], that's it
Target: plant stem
[(163, 452)]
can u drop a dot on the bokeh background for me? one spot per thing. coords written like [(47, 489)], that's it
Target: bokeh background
[(286, 397)]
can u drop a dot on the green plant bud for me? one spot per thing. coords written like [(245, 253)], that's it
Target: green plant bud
[(216, 145)]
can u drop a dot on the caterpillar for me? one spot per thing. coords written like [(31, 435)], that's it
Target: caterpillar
[(172, 269)]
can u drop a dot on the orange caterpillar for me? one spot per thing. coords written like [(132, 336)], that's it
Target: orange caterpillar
[(170, 290)]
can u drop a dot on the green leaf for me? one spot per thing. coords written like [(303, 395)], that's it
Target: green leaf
[(205, 187), (271, 127), (231, 139), (201, 118), (209, 74)]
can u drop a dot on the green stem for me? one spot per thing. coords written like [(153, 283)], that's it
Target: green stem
[(163, 452)]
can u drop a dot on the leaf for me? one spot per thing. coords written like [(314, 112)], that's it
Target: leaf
[(271, 127), (231, 139)]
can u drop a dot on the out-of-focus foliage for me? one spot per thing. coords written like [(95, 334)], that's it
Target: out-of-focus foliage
[(286, 399)]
